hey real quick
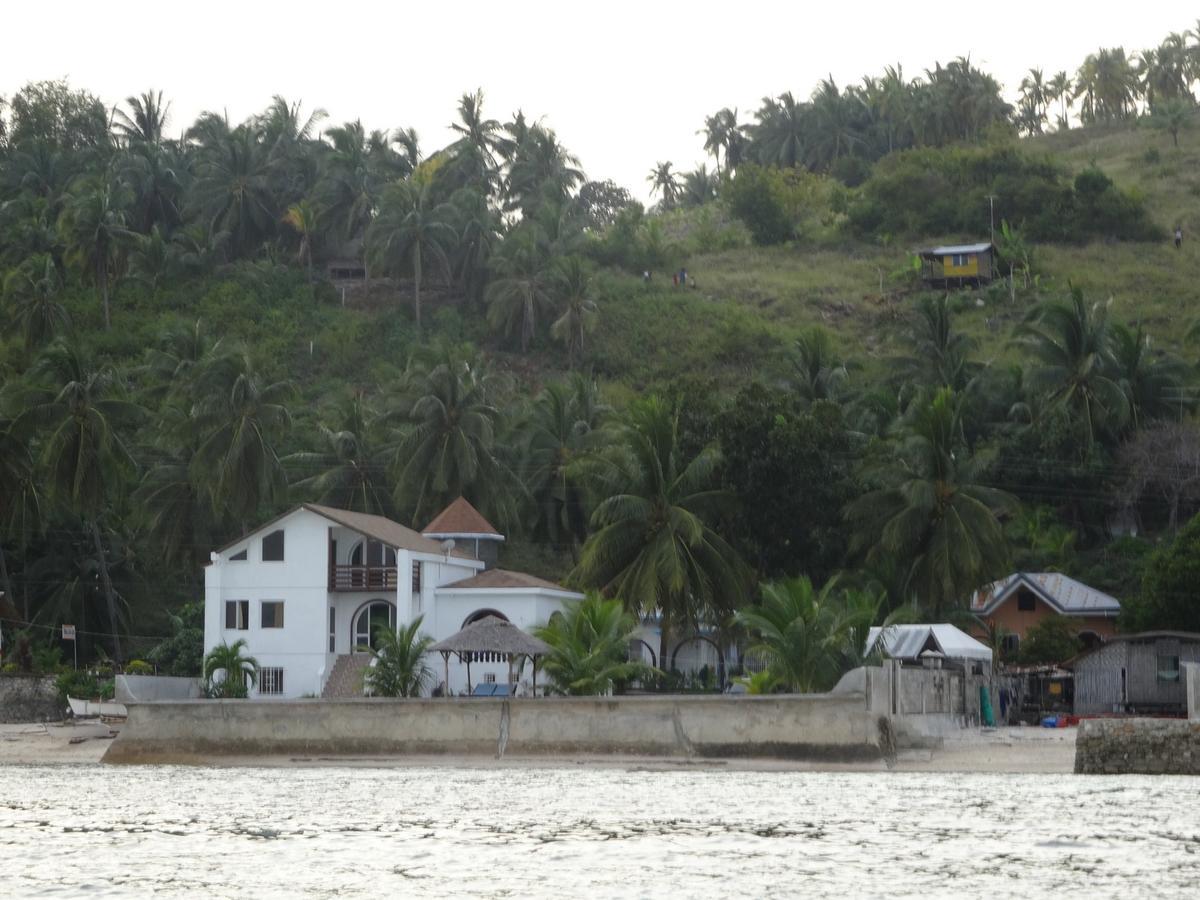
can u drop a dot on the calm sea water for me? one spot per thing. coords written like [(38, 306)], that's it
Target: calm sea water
[(585, 832)]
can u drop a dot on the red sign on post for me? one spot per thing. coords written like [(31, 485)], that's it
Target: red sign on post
[(68, 633)]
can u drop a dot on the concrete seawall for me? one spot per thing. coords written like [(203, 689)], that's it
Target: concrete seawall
[(819, 726), (29, 698), (1137, 747)]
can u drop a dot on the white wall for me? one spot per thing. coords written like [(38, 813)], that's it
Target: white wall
[(300, 581)]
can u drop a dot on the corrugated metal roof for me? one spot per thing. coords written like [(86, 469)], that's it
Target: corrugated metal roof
[(951, 249), (910, 641), (1066, 595)]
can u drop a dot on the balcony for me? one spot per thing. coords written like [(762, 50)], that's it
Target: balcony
[(362, 578)]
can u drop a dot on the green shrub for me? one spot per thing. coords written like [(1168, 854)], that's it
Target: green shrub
[(139, 667), (83, 685)]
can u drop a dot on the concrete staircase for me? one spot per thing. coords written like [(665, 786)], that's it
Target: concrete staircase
[(346, 679)]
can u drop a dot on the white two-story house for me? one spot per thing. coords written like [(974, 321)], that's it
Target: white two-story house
[(308, 589)]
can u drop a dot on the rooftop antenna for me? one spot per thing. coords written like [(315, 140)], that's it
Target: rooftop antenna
[(447, 546)]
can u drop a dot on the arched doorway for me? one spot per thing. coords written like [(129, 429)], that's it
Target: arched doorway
[(701, 639), (371, 615), (483, 614)]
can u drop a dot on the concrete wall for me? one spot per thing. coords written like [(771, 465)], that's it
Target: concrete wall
[(145, 688), (830, 726), (29, 698), (1191, 676), (1137, 747)]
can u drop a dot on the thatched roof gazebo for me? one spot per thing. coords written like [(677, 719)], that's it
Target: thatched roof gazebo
[(491, 639)]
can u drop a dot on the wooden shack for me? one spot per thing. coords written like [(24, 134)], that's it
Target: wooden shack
[(958, 265), (1135, 673)]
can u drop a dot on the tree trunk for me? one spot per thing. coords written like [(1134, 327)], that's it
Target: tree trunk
[(110, 599), (664, 641), (6, 581), (103, 278), (417, 287)]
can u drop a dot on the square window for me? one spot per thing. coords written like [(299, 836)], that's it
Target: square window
[(272, 614), (1026, 602), (416, 578), (272, 547), (270, 681), (1168, 668), (237, 615)]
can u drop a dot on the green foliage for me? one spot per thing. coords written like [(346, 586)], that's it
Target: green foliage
[(791, 471), (807, 637), (589, 648), (1049, 642), (84, 685), (756, 196), (399, 668), (1168, 598), (946, 190), (237, 671), (182, 652)]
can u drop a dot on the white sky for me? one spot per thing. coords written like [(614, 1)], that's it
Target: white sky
[(624, 84)]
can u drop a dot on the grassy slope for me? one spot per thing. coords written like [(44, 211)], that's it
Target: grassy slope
[(751, 302)]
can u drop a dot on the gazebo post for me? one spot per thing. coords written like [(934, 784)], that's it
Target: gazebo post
[(469, 688), (510, 669), (533, 659), (446, 683)]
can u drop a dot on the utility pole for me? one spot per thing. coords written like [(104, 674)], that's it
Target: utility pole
[(992, 216)]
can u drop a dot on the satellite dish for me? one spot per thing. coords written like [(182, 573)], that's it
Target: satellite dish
[(447, 545)]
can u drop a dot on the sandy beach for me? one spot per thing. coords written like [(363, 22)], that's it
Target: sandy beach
[(1004, 750)]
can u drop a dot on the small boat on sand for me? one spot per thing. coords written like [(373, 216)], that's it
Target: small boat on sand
[(89, 709)]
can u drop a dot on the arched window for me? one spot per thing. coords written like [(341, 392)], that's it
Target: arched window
[(483, 614), (377, 554), (372, 615)]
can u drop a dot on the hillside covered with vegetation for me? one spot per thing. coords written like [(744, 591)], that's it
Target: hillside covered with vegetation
[(200, 331)]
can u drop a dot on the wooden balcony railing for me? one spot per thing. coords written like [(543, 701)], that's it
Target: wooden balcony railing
[(362, 578)]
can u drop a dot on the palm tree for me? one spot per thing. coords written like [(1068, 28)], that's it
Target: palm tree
[(239, 419), (399, 668), (79, 410), (348, 470), (233, 188), (522, 287), (809, 638), (665, 183), (20, 502), (1059, 88), (1073, 344), (412, 234), (447, 446), (589, 647), (93, 228), (1153, 386), (474, 151), (572, 283), (933, 512), (940, 355), (33, 288), (1035, 95), (820, 371), (780, 134), (723, 134), (146, 120), (653, 541), (229, 660), (303, 219), (564, 425)]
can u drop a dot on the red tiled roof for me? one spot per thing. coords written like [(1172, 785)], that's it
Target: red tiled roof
[(460, 517)]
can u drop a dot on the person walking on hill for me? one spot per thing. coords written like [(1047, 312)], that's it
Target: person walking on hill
[(1178, 236)]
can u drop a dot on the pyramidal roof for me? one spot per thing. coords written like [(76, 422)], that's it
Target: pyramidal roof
[(460, 519)]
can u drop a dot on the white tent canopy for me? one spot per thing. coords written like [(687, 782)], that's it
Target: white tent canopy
[(910, 641)]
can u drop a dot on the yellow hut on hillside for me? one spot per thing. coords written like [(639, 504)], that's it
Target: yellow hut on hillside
[(957, 265)]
